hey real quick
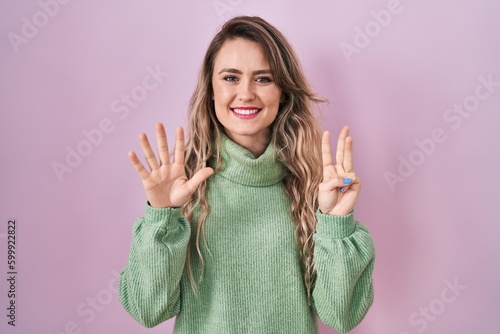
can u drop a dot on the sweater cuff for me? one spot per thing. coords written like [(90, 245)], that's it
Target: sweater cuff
[(336, 227), (165, 216)]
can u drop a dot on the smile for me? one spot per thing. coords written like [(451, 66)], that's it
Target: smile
[(245, 113)]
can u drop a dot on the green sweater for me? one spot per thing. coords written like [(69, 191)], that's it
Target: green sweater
[(253, 278)]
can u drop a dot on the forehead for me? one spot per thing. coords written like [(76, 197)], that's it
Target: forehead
[(241, 54)]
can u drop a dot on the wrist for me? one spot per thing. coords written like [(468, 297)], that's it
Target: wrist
[(160, 205)]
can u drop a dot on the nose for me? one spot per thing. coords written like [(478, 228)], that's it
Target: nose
[(246, 91)]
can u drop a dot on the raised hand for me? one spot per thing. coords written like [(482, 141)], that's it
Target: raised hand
[(166, 184), (339, 190)]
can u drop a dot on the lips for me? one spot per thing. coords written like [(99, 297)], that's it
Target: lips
[(245, 112)]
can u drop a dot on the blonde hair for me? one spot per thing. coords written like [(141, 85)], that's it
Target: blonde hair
[(294, 132)]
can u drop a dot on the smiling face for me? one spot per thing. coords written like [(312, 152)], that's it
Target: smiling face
[(246, 97)]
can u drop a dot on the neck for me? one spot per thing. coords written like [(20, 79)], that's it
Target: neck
[(254, 144)]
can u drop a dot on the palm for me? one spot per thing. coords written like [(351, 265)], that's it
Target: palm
[(166, 184), (331, 198)]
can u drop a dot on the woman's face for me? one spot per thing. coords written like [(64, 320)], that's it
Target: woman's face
[(246, 97)]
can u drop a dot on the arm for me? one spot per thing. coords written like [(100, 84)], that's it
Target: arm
[(150, 284), (344, 256), (344, 252), (149, 287)]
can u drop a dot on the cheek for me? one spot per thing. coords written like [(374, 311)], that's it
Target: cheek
[(222, 99), (221, 92), (273, 93), (273, 97)]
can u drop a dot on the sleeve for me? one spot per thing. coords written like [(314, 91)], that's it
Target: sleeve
[(344, 256), (149, 286)]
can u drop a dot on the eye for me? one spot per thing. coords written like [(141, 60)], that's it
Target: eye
[(230, 78), (264, 80)]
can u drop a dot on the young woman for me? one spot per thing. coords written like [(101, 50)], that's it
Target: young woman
[(250, 228)]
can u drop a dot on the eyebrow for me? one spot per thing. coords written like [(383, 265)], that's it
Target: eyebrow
[(233, 70)]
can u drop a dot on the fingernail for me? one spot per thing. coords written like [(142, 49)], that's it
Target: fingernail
[(347, 181), (342, 189)]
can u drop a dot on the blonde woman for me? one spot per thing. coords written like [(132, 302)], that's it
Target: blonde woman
[(250, 227)]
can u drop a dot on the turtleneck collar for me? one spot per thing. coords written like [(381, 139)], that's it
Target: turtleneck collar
[(240, 166)]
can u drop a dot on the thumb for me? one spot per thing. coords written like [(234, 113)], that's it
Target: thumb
[(336, 182), (198, 178)]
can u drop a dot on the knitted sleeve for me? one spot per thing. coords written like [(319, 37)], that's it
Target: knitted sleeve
[(344, 256), (149, 286)]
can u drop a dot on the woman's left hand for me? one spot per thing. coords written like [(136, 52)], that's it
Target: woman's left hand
[(339, 190)]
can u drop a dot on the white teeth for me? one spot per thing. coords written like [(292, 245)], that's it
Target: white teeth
[(245, 111)]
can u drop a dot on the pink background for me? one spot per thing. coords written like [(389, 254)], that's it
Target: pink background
[(437, 228)]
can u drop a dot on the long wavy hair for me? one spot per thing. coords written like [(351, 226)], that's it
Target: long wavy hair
[(294, 133)]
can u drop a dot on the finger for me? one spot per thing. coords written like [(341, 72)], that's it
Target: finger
[(148, 152), (339, 157), (330, 172), (179, 146), (161, 137), (338, 182), (138, 166), (351, 182), (348, 161), (326, 150)]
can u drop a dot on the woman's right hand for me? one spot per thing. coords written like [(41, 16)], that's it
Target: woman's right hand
[(166, 184)]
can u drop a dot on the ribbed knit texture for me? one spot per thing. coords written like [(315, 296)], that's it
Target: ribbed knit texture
[(252, 281)]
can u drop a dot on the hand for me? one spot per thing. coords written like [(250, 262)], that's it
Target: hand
[(166, 185), (339, 190)]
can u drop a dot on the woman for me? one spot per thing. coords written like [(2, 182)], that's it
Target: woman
[(250, 229)]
